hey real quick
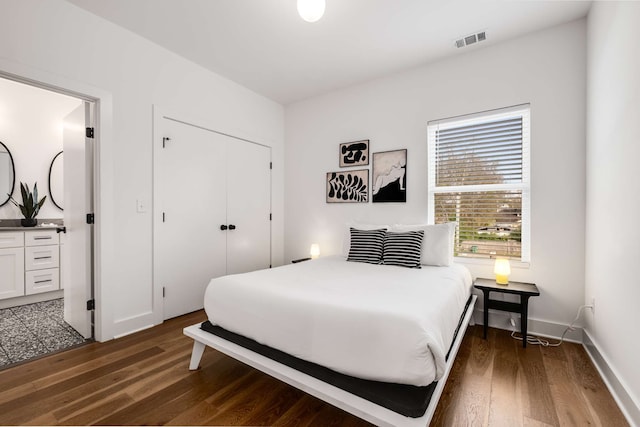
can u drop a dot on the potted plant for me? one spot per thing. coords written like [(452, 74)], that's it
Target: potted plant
[(30, 205)]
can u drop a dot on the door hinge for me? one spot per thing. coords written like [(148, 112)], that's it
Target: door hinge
[(91, 305), (163, 218), (270, 165), (89, 133), (163, 294), (270, 217), (164, 141), (91, 218)]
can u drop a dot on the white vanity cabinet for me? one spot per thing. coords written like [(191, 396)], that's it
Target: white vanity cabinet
[(29, 262), (41, 261), (11, 264)]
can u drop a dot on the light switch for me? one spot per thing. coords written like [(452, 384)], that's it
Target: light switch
[(140, 206)]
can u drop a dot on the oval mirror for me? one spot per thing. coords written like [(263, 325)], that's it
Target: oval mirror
[(7, 174), (56, 187)]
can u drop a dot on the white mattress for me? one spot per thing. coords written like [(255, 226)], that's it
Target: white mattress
[(375, 322)]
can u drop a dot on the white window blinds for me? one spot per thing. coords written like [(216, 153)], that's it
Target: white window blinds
[(479, 178)]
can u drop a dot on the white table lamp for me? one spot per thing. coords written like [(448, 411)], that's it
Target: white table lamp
[(502, 269), (314, 251)]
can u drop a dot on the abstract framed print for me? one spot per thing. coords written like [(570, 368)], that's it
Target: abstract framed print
[(354, 153), (389, 180), (348, 186)]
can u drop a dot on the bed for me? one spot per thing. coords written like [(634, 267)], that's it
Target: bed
[(375, 340)]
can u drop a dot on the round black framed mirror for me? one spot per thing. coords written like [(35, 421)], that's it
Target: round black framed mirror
[(56, 186), (7, 174)]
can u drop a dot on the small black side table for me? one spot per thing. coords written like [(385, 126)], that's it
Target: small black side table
[(525, 290)]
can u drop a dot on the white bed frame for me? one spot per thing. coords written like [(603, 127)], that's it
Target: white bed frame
[(351, 403)]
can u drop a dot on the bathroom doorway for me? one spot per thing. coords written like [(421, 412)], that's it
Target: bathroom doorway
[(46, 271)]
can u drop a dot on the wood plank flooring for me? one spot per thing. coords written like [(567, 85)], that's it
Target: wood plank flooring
[(144, 379)]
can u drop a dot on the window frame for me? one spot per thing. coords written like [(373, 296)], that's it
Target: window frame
[(522, 110)]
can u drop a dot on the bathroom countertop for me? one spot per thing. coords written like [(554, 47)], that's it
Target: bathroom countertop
[(14, 225), (38, 227)]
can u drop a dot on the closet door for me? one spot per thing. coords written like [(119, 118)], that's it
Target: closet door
[(248, 206), (190, 191)]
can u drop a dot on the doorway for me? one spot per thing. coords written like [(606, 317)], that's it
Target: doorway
[(49, 266)]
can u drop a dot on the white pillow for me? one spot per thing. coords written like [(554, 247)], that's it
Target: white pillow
[(346, 239), (437, 244)]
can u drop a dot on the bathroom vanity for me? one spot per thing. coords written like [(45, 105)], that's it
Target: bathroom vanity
[(29, 264)]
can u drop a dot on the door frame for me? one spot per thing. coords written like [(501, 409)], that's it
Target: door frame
[(102, 177), (210, 125)]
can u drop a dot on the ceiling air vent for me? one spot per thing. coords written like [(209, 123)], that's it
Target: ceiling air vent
[(471, 39)]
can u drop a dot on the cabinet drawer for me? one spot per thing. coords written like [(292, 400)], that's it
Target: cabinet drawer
[(11, 239), (41, 257), (41, 238), (42, 281)]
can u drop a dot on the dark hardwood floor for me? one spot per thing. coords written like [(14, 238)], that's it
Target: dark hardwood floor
[(144, 379)]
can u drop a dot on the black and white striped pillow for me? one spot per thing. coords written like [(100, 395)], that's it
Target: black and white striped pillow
[(366, 245), (403, 249)]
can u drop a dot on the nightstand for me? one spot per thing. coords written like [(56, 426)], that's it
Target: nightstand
[(295, 261), (525, 290)]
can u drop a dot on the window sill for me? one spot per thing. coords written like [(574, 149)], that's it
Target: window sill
[(489, 262)]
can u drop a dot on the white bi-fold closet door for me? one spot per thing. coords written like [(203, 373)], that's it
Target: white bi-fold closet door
[(212, 207)]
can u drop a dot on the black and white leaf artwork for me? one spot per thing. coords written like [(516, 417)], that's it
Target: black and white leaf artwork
[(348, 187)]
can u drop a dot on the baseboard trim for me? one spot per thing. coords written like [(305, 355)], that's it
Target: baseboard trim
[(31, 299), (540, 328), (629, 407), (130, 325), (142, 328)]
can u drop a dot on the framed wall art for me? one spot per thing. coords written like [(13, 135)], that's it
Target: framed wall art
[(389, 180), (354, 153), (348, 186)]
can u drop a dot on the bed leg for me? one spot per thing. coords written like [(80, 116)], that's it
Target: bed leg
[(196, 355)]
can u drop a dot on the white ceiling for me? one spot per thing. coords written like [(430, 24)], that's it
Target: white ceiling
[(265, 46)]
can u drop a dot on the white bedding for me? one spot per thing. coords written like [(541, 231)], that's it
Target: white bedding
[(375, 322)]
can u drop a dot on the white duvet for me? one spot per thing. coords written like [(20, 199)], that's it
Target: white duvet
[(375, 322)]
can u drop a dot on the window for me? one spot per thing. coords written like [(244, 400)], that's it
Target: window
[(479, 178)]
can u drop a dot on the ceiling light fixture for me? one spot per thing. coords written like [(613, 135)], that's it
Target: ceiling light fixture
[(311, 10)]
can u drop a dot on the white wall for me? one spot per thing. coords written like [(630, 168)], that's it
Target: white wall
[(545, 69), (31, 127), (613, 193), (60, 39)]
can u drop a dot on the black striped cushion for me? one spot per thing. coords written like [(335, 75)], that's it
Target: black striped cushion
[(403, 249), (366, 245)]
